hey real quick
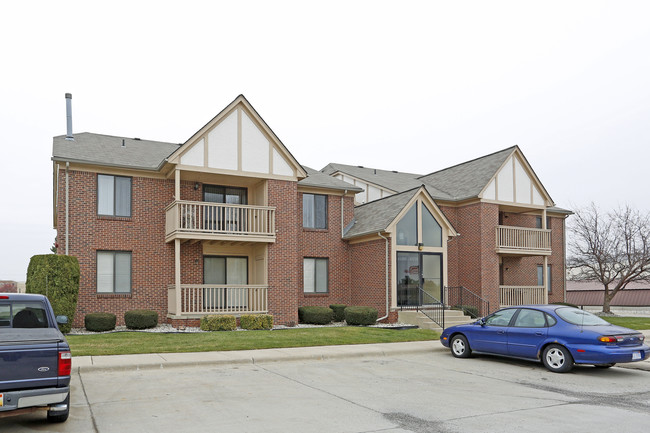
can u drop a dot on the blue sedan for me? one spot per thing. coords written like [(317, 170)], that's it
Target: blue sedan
[(558, 335)]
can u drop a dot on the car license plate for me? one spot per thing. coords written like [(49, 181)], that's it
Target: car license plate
[(636, 355), (1, 400)]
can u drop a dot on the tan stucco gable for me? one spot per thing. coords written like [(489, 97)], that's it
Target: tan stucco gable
[(237, 141), (515, 182)]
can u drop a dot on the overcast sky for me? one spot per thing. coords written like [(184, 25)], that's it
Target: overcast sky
[(408, 86)]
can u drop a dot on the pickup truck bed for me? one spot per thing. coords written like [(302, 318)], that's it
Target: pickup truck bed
[(35, 363)]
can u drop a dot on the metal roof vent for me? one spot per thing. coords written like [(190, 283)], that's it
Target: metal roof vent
[(68, 115)]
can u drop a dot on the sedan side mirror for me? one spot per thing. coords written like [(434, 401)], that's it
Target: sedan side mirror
[(481, 321), (62, 320)]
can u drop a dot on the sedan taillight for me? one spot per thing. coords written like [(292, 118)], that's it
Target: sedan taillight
[(608, 339), (65, 363)]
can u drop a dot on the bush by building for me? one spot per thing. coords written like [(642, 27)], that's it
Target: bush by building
[(339, 312), (140, 319), (100, 322), (218, 323), (315, 315), (56, 277), (360, 316)]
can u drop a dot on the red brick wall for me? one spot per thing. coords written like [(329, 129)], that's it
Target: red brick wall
[(143, 234), (327, 243), (472, 258), (368, 275), (284, 277), (523, 270)]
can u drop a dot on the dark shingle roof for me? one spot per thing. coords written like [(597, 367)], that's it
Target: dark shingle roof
[(320, 180), (468, 179), (376, 215), (392, 180), (107, 150)]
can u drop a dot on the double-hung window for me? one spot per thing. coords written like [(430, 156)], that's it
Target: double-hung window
[(113, 195), (540, 276), (315, 272), (314, 211), (113, 272)]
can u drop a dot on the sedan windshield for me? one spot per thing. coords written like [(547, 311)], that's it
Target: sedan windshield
[(580, 317)]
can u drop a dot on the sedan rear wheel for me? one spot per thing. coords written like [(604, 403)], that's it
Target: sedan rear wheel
[(460, 347), (557, 358)]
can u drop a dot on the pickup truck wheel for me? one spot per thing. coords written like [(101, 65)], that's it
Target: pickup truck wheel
[(59, 415)]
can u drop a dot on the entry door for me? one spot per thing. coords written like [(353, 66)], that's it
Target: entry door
[(431, 277), (225, 271), (415, 271)]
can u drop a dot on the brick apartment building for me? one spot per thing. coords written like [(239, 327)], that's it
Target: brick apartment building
[(230, 223)]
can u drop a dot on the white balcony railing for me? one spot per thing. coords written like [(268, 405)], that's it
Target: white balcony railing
[(186, 218), (199, 299), (522, 295), (523, 240)]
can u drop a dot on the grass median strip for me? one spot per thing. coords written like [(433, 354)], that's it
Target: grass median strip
[(122, 343)]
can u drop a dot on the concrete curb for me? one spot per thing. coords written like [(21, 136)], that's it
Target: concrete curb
[(85, 364)]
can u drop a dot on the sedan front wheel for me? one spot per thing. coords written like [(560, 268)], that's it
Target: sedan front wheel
[(460, 347)]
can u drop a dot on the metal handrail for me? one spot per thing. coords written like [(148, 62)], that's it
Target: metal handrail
[(468, 302), (431, 307)]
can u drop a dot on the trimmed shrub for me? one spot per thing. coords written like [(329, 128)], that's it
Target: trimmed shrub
[(256, 321), (140, 319), (470, 310), (56, 277), (315, 315), (99, 322), (218, 323), (339, 312), (360, 316)]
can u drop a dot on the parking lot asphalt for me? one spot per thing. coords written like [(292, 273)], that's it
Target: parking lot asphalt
[(167, 360)]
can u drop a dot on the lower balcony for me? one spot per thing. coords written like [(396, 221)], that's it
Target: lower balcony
[(523, 241), (522, 295), (195, 300), (219, 221)]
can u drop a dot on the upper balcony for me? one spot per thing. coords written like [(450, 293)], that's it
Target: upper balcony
[(197, 220), (522, 241)]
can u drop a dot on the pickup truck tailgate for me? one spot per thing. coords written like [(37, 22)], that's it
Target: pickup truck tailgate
[(29, 358)]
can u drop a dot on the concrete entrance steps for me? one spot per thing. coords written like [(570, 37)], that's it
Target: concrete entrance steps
[(452, 317)]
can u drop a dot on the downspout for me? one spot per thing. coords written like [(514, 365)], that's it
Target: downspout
[(386, 239), (67, 207), (342, 219), (564, 251)]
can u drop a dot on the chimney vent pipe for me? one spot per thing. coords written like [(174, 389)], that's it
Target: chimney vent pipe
[(68, 115)]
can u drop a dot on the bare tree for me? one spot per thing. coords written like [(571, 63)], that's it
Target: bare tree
[(612, 248)]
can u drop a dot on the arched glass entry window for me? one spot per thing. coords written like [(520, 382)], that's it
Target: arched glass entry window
[(431, 230), (407, 228)]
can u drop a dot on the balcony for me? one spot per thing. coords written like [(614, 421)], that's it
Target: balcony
[(195, 300), (522, 295), (523, 241), (197, 220)]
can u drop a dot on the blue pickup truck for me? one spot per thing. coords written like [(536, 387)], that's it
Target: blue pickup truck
[(35, 360)]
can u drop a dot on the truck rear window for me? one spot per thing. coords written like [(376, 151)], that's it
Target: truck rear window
[(23, 315)]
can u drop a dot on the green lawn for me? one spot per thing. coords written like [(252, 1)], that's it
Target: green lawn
[(638, 323), (120, 343)]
